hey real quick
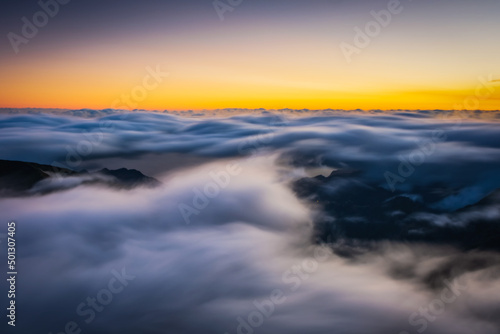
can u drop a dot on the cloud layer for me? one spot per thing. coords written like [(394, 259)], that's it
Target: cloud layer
[(246, 258)]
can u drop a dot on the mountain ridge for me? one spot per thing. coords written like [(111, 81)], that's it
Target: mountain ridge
[(18, 178)]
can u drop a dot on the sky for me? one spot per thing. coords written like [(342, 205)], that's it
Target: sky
[(255, 54)]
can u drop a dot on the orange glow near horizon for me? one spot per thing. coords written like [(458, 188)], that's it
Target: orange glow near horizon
[(76, 80), (186, 95)]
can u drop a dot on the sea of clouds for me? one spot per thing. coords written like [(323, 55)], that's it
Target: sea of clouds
[(224, 245)]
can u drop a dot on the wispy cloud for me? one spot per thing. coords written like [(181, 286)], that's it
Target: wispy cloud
[(255, 236)]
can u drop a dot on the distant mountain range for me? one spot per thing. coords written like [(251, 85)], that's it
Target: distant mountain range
[(18, 178)]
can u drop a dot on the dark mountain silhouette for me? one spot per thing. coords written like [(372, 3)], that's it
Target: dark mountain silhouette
[(19, 178), (130, 178), (356, 211)]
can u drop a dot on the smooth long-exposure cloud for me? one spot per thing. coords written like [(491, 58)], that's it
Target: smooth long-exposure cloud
[(258, 253), (203, 277)]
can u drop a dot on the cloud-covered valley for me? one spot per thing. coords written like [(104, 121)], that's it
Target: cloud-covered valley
[(263, 223)]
